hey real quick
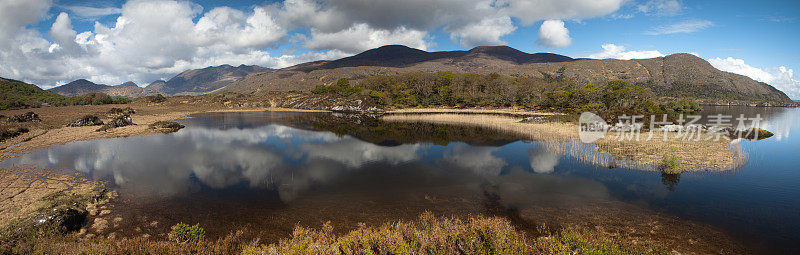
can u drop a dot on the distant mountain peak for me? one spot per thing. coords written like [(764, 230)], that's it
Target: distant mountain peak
[(129, 83), (390, 51), (81, 81), (207, 79), (501, 48), (402, 56)]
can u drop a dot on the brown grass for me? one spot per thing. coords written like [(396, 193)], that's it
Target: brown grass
[(552, 131), (428, 235)]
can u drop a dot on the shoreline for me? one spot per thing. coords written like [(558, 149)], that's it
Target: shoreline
[(493, 118), (636, 154), (721, 155)]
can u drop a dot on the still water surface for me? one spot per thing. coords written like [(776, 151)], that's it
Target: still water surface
[(270, 170)]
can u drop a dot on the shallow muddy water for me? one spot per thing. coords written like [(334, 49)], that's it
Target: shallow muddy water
[(268, 171)]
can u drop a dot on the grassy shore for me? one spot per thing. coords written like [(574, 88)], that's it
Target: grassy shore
[(428, 235), (711, 155)]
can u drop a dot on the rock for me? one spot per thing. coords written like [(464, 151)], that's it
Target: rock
[(66, 218), (25, 117), (88, 120), (119, 121), (121, 111), (534, 119), (346, 108), (105, 212), (166, 126)]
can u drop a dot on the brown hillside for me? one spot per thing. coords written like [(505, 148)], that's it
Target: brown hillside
[(673, 75)]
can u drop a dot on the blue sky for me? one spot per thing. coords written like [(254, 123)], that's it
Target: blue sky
[(68, 40)]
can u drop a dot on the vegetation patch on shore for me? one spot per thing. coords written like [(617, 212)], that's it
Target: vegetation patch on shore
[(20, 95), (166, 126), (428, 235)]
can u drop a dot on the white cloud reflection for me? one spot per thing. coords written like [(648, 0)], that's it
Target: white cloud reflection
[(165, 164)]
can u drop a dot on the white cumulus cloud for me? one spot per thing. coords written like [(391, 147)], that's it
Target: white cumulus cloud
[(781, 78), (156, 39), (362, 37), (554, 34), (16, 14), (531, 11), (619, 52)]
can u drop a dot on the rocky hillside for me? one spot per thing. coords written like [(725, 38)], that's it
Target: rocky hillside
[(198, 81), (82, 86), (673, 75)]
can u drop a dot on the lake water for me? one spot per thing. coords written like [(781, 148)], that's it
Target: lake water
[(268, 171)]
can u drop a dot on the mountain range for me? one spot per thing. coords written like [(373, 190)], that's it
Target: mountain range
[(676, 75), (82, 86), (199, 81), (195, 81)]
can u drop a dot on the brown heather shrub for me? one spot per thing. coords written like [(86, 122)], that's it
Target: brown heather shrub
[(231, 244), (427, 235), (430, 235)]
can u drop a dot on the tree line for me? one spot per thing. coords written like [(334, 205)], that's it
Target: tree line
[(609, 99)]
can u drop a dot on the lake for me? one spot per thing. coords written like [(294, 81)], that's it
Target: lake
[(269, 171)]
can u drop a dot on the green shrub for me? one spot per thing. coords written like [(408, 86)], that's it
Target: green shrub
[(320, 89), (343, 88), (379, 97), (670, 164), (158, 98), (183, 233)]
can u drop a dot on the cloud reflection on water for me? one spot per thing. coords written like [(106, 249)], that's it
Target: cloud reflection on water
[(164, 164), (276, 157)]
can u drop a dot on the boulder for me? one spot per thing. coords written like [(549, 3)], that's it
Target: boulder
[(119, 121), (166, 126), (25, 117), (121, 111), (88, 120), (65, 218)]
